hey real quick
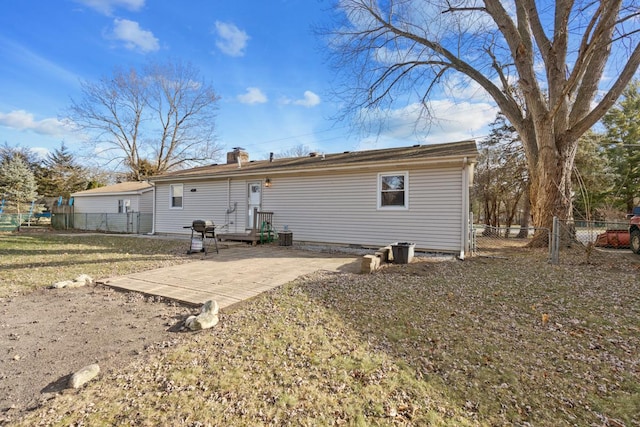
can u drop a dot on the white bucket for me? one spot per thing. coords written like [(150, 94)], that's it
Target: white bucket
[(196, 245)]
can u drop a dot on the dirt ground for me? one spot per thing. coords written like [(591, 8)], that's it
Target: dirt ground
[(47, 335)]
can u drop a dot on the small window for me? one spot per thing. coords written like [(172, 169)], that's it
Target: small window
[(124, 205), (176, 195), (393, 190)]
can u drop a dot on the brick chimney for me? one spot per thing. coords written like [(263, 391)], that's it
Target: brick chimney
[(238, 155)]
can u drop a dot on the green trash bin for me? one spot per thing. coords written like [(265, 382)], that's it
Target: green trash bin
[(402, 252)]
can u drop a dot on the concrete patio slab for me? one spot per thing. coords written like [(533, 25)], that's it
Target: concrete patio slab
[(237, 273)]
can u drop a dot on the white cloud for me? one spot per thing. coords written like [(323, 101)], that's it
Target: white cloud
[(462, 88), (231, 40), (41, 152), (133, 36), (310, 99), (107, 6), (455, 121), (24, 121), (385, 55), (451, 121), (253, 96)]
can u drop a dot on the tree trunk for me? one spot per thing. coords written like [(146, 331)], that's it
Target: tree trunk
[(551, 185), (491, 217), (526, 213), (19, 216)]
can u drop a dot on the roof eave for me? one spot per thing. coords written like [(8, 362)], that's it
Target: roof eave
[(458, 158), (114, 193)]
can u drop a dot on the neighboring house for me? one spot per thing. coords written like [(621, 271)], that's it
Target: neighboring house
[(125, 207), (417, 194)]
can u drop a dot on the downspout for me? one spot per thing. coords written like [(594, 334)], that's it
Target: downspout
[(226, 218), (464, 238), (153, 212)]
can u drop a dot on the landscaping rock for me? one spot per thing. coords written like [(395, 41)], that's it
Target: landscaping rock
[(81, 280), (208, 317), (210, 306), (84, 375), (63, 284), (88, 280)]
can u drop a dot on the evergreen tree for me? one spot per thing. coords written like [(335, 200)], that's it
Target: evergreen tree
[(623, 136), (592, 180), (61, 175), (18, 184), (32, 159)]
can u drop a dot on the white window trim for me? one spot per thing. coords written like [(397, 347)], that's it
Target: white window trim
[(126, 205), (171, 196), (406, 192)]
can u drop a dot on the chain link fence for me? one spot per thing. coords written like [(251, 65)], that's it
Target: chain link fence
[(589, 241), (492, 241), (10, 222), (568, 241), (130, 222)]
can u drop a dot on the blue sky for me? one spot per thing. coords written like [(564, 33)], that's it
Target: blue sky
[(261, 56)]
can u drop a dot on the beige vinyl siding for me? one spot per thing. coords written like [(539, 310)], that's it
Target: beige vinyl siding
[(99, 204), (145, 204), (331, 208), (238, 219), (108, 203), (208, 202), (146, 211), (343, 209)]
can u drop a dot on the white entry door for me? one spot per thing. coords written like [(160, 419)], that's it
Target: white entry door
[(254, 199)]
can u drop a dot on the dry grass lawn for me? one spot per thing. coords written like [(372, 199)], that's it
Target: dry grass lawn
[(509, 340), (34, 260)]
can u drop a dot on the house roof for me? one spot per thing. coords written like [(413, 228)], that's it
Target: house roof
[(417, 154), (134, 187)]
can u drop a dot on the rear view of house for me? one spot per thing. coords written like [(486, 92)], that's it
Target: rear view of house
[(371, 198)]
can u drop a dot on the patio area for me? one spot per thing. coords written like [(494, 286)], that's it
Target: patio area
[(236, 273)]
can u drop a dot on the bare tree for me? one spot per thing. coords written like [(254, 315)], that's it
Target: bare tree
[(543, 63), (501, 178), (299, 150), (151, 121)]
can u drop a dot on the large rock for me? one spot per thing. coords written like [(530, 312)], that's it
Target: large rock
[(83, 376), (210, 306), (62, 284), (208, 317), (81, 280), (84, 278)]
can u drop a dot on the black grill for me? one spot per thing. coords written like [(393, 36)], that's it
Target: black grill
[(207, 230), (203, 226)]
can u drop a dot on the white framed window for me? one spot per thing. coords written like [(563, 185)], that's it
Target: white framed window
[(176, 192), (393, 190), (124, 205)]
